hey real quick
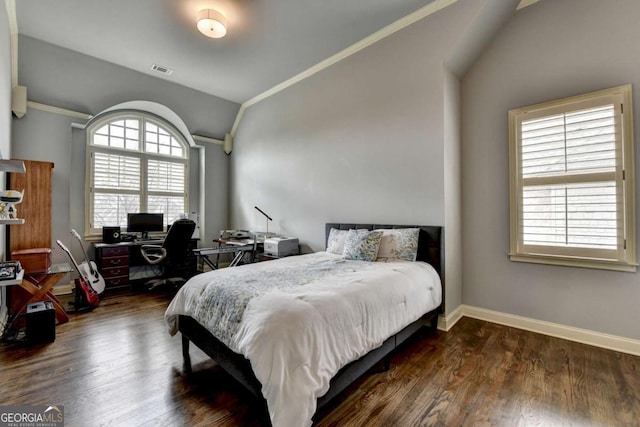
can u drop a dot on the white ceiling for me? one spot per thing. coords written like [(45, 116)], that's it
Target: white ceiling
[(268, 41)]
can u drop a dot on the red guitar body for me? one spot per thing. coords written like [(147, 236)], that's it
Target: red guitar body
[(85, 295), (86, 298)]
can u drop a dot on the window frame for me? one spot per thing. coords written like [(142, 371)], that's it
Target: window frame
[(625, 258), (141, 154)]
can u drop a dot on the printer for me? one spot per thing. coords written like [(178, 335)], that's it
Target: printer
[(281, 246)]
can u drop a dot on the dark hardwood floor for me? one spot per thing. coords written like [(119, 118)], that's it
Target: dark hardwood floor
[(118, 366)]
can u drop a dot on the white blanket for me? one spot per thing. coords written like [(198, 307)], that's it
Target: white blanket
[(297, 340)]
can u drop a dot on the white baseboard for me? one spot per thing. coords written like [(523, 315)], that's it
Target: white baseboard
[(584, 336), (445, 323), (63, 289)]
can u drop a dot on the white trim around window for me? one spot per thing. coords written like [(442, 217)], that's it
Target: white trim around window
[(571, 167), (135, 163)]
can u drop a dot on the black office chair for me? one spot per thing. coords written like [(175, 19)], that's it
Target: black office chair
[(172, 256)]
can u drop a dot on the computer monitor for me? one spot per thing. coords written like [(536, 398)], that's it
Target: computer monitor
[(144, 223)]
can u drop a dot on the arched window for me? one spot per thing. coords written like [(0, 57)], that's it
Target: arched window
[(136, 163)]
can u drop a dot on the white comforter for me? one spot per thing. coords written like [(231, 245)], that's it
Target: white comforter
[(297, 340)]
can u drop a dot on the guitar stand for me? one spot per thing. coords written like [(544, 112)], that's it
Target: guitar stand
[(79, 304)]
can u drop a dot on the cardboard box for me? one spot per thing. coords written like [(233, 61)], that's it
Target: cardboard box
[(36, 260)]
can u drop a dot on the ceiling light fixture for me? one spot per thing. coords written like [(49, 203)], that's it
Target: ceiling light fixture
[(212, 23)]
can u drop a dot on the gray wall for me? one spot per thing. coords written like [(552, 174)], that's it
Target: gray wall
[(452, 192), (63, 78), (550, 50), (47, 137), (5, 105), (68, 79), (362, 141)]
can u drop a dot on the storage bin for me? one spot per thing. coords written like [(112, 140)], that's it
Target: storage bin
[(36, 260)]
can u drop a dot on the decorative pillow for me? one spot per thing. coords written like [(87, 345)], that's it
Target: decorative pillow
[(362, 245), (335, 243), (399, 243)]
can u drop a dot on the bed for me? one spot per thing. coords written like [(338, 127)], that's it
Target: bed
[(297, 366)]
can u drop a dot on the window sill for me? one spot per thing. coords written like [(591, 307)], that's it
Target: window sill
[(575, 262)]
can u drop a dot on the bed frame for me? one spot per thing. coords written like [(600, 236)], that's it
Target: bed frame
[(430, 250)]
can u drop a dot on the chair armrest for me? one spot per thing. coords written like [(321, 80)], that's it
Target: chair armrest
[(153, 254)]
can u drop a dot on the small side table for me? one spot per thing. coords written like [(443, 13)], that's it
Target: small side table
[(39, 286)]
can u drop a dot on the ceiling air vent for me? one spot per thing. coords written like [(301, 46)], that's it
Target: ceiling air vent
[(162, 70)]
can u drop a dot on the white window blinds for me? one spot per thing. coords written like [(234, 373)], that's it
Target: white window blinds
[(135, 171), (116, 172), (165, 176), (570, 199)]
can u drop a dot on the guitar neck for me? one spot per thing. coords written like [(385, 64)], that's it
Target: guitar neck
[(68, 252), (84, 252)]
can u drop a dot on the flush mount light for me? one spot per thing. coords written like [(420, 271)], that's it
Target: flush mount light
[(212, 23)]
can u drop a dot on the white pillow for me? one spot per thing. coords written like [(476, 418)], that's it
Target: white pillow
[(335, 243), (399, 243)]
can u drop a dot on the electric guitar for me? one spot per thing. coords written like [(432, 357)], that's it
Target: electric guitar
[(88, 269), (90, 295)]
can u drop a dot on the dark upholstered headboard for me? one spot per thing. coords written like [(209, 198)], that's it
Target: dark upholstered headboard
[(430, 241)]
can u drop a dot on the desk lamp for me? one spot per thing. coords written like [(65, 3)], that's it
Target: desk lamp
[(268, 219)]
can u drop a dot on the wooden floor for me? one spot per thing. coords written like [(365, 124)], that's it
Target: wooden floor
[(118, 366)]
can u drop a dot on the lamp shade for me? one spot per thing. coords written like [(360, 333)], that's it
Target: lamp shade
[(212, 23)]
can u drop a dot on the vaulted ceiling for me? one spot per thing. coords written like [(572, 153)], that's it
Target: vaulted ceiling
[(267, 42)]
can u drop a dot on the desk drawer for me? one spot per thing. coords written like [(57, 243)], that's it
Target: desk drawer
[(116, 281), (114, 261), (115, 251), (115, 272)]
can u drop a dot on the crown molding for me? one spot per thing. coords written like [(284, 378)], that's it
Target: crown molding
[(238, 119), (85, 116), (58, 110), (201, 138), (525, 3), (394, 27)]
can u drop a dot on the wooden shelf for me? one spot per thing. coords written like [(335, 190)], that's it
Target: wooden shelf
[(12, 221), (16, 166)]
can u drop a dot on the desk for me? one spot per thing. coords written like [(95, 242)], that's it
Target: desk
[(237, 247), (121, 263), (39, 286)]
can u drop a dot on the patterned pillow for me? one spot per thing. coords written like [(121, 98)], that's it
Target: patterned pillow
[(399, 243), (335, 243), (362, 245)]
